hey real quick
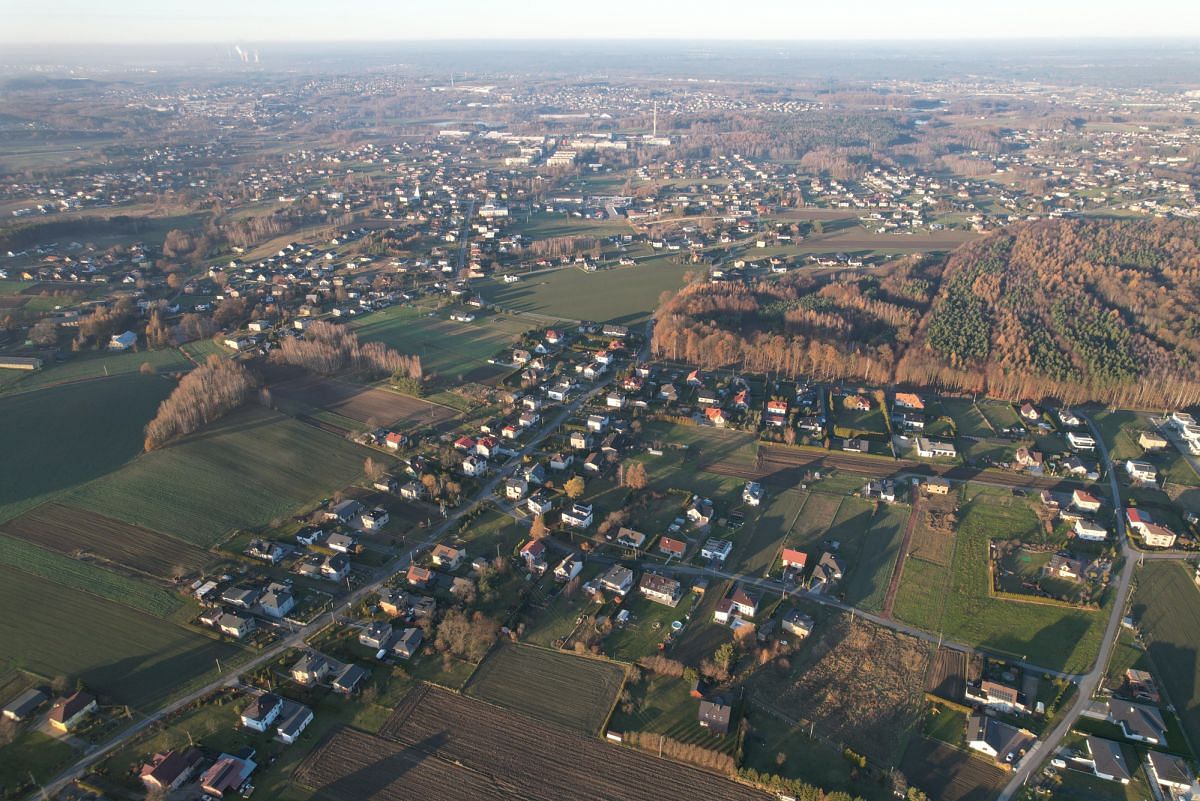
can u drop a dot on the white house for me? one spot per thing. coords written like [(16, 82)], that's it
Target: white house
[(1081, 442), (1090, 531), (928, 449), (578, 515), (1141, 471), (716, 549), (262, 712)]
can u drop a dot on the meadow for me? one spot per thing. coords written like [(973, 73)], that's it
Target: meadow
[(1166, 606), (956, 600), (122, 654), (622, 294), (97, 364), (251, 468), (56, 439), (447, 348)]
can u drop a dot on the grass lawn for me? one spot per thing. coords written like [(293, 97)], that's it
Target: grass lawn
[(99, 364), (447, 348), (119, 653), (549, 226), (999, 414), (622, 294), (648, 625), (868, 581), (242, 472), (58, 438), (968, 420), (955, 600), (1166, 606), (664, 705), (1079, 786), (1120, 430), (757, 544), (33, 752), (945, 723)]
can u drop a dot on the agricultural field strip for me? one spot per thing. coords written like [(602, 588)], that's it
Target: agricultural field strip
[(1169, 618), (86, 577), (571, 691), (68, 531)]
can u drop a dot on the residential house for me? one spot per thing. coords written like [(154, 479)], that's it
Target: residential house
[(277, 601), (335, 567), (672, 547), (927, 449), (1090, 531), (515, 488), (937, 486), (408, 643), (234, 625), (344, 512), (1171, 772), (909, 400), (342, 543), (373, 519), (798, 624), (716, 549), (293, 721), (534, 554), (1152, 441), (829, 571), (67, 713), (776, 413), (473, 467), (1155, 535), (1108, 760), (419, 576), (346, 680), (753, 493), (448, 557), (1030, 412), (1085, 501), (267, 551), (594, 463), (597, 422), (580, 440), (376, 635), (1005, 744), (534, 473), (578, 515), (311, 668), (857, 403), (540, 502), (568, 568), (241, 597), (614, 400), (745, 603), (262, 712), (715, 715), (997, 697), (1068, 418), (1081, 442), (1138, 721), (616, 579), (560, 461), (855, 445), (629, 538), (660, 589), (1141, 471), (715, 417), (793, 560), (394, 440)]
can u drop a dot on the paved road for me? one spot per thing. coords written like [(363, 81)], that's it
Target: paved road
[(1091, 680), (301, 635)]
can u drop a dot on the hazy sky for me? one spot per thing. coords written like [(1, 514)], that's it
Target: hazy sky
[(227, 21)]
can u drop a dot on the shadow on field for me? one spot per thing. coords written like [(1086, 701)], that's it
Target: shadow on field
[(1065, 633), (371, 779)]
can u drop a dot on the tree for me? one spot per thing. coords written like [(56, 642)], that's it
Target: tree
[(538, 529), (574, 488), (635, 476), (723, 656), (373, 469), (44, 332), (206, 394)]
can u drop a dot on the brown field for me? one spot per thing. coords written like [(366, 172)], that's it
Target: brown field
[(931, 543), (365, 404), (80, 532), (571, 691), (947, 677), (948, 774), (437, 740), (859, 683)]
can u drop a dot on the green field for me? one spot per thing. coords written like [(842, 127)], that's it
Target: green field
[(243, 472), (1120, 430), (1166, 606), (101, 364), (663, 705), (756, 545), (122, 654), (967, 418), (999, 414), (867, 581), (955, 601), (623, 294), (86, 577), (572, 691), (549, 226), (447, 348), (56, 439), (33, 752)]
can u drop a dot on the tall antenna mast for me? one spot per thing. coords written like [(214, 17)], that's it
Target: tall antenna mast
[(655, 129)]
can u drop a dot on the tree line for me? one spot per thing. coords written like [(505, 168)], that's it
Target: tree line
[(328, 349), (205, 394)]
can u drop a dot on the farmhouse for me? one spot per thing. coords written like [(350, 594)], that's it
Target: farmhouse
[(1138, 721), (829, 570), (1169, 771), (312, 668), (568, 568), (67, 713), (798, 624), (660, 589), (534, 554), (408, 643), (293, 721), (1004, 743), (448, 556), (1085, 501), (236, 626), (672, 547), (996, 697), (909, 400), (168, 771), (1152, 441), (1090, 531), (262, 712)]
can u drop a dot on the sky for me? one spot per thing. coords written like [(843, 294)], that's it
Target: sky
[(261, 21)]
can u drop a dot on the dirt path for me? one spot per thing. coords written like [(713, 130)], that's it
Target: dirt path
[(890, 599)]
